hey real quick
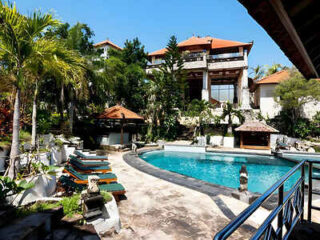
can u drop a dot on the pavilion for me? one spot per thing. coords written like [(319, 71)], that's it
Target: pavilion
[(255, 135), (118, 116)]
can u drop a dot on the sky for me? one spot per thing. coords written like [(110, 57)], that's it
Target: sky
[(154, 21)]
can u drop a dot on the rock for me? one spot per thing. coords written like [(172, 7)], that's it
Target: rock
[(293, 149), (74, 219), (311, 150)]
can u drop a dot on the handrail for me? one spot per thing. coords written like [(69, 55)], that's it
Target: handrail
[(244, 215)]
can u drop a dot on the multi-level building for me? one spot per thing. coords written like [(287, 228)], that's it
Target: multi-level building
[(217, 70), (105, 46)]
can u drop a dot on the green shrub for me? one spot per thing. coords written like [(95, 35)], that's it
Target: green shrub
[(36, 207), (106, 196), (71, 205), (24, 136), (316, 148)]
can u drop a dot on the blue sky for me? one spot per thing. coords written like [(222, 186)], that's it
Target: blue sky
[(154, 21)]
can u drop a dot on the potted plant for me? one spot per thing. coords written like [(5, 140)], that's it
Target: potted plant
[(10, 188), (56, 152), (4, 154), (230, 112), (44, 180)]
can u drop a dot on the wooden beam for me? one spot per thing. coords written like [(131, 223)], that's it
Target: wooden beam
[(287, 24)]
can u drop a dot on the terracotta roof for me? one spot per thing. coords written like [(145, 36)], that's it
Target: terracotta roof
[(275, 78), (107, 42), (255, 126), (119, 112), (214, 43)]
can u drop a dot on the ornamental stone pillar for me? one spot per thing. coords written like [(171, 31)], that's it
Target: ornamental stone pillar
[(205, 91)]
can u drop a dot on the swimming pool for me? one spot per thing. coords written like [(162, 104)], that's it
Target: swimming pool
[(223, 169)]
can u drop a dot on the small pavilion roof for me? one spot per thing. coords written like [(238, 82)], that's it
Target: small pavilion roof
[(119, 112), (107, 42), (212, 43), (256, 126)]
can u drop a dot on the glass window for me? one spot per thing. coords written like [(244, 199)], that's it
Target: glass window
[(223, 93)]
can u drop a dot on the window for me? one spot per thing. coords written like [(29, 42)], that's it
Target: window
[(223, 93)]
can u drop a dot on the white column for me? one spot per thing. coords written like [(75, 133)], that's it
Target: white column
[(205, 92), (245, 95)]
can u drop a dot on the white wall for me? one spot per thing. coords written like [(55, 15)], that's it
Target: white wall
[(269, 108), (310, 109)]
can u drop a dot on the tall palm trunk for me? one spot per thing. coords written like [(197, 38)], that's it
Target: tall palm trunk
[(14, 164), (61, 102), (229, 124), (34, 117), (71, 114)]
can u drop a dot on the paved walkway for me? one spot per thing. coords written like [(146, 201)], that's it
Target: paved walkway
[(157, 209)]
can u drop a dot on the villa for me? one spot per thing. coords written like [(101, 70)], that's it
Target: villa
[(105, 46), (264, 96), (217, 69)]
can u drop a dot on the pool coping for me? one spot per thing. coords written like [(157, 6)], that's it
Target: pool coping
[(211, 189)]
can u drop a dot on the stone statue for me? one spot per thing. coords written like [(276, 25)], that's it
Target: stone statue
[(93, 184), (134, 148), (243, 179)]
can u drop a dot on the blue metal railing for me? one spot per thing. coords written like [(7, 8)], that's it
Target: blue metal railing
[(289, 211)]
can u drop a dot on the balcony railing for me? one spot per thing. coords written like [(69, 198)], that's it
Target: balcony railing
[(289, 210), (201, 57), (225, 57)]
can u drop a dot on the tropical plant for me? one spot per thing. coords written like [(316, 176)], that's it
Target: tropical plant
[(258, 72), (276, 67), (230, 112), (166, 94), (293, 93), (18, 33), (10, 187)]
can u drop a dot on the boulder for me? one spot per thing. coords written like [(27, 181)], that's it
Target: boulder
[(311, 150)]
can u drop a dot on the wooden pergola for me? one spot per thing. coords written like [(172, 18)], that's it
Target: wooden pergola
[(122, 114), (255, 135)]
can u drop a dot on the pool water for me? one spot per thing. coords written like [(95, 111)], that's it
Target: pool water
[(223, 169)]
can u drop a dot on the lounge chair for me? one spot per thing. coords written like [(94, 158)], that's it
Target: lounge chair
[(89, 169), (115, 188), (82, 178), (82, 156), (88, 163)]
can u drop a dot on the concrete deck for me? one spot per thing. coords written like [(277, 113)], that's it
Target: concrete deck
[(157, 209)]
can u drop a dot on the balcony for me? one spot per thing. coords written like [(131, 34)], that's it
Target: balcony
[(210, 62)]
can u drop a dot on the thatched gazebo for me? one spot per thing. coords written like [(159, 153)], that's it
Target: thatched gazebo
[(120, 114), (255, 135)]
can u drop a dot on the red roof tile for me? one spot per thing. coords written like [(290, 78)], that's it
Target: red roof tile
[(255, 126), (275, 78), (107, 42), (119, 112), (214, 43)]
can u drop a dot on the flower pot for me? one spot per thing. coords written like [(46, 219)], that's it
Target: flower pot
[(45, 158), (56, 156), (66, 151), (4, 154), (228, 142), (45, 186)]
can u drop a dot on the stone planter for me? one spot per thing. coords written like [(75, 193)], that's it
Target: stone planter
[(66, 151), (45, 186), (45, 158), (56, 155), (4, 154), (228, 142), (216, 140), (110, 219)]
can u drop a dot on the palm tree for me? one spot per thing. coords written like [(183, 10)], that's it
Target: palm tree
[(53, 58), (17, 36), (258, 72), (276, 67), (229, 111)]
